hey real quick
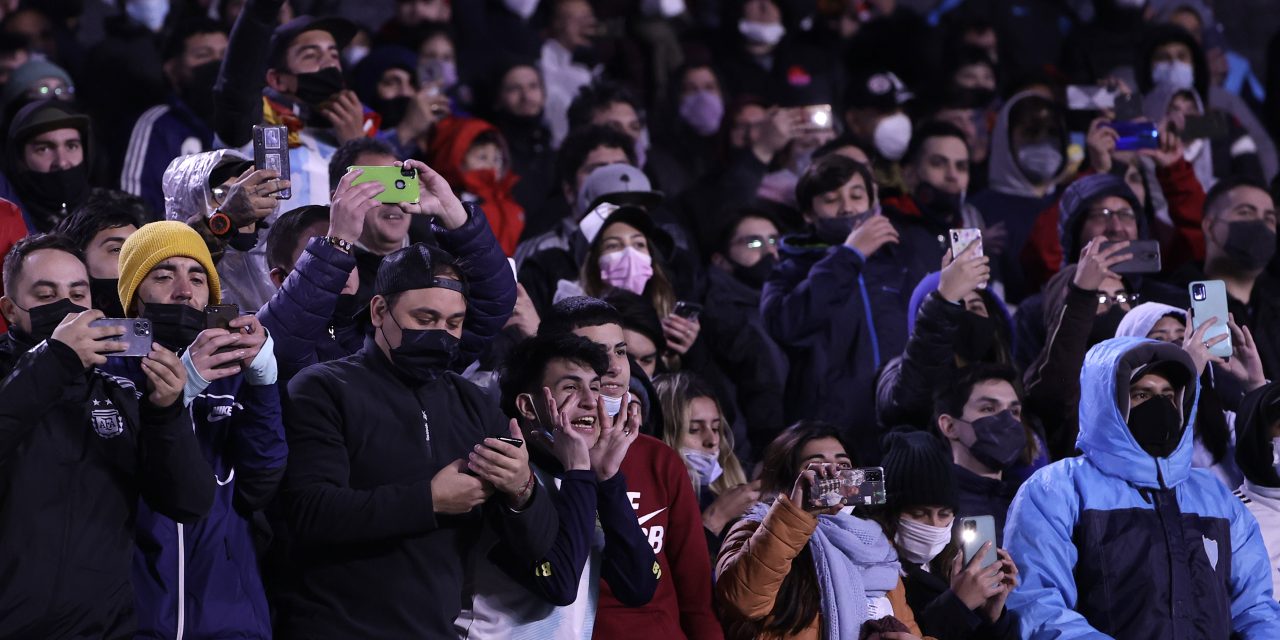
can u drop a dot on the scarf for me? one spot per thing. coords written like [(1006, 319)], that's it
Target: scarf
[(277, 112), (854, 561)]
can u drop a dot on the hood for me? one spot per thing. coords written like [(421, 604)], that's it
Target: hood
[(449, 144), (1140, 319), (186, 182), (1253, 440), (1156, 104), (1004, 175), (1075, 203), (929, 284), (1160, 34), (1104, 408)]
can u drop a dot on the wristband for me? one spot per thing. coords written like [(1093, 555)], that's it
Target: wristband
[(338, 243)]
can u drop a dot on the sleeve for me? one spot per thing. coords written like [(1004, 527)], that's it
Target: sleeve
[(531, 531), (238, 91), (34, 384), (554, 577), (629, 565), (174, 477), (756, 557), (946, 618), (1185, 195), (796, 305), (492, 294), (319, 503), (146, 159), (906, 393), (1254, 610), (1053, 380), (686, 549), (299, 312), (1038, 534), (258, 447)]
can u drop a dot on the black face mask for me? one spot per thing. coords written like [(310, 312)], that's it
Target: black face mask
[(54, 194), (423, 354), (174, 326), (318, 86), (244, 242), (1001, 439), (938, 204), (106, 296), (392, 111), (834, 231), (197, 91), (1250, 243), (754, 275), (975, 337), (46, 317), (1105, 325), (1157, 426)]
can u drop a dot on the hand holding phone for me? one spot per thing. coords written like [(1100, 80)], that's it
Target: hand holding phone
[(1209, 301), (399, 184), (135, 334), (971, 534), (688, 310), (271, 151), (1143, 256)]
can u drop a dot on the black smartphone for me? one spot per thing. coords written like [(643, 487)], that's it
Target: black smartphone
[(1128, 107), (1145, 257), (515, 442), (271, 151), (687, 310), (1212, 127), (137, 335), (219, 316)]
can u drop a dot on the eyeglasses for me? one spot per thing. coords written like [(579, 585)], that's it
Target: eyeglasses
[(55, 92), (1104, 214), (1119, 298), (758, 242)]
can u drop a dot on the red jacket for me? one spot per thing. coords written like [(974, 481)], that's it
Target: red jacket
[(449, 144), (659, 488), (1042, 255), (12, 229)]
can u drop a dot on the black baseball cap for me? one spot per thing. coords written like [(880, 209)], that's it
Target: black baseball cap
[(877, 89), (284, 35), (413, 267)]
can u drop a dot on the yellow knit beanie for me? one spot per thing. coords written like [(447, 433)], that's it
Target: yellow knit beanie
[(154, 243)]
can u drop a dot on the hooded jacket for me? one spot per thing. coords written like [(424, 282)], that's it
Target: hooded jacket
[(46, 203), (452, 139), (1119, 543), (160, 134), (1255, 454)]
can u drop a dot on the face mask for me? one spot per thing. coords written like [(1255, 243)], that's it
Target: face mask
[(1040, 161), (318, 86), (439, 72), (174, 326), (522, 8), (46, 317), (627, 269), (353, 55), (642, 148), (706, 465), (56, 190), (1275, 454), (1180, 75), (975, 338), (755, 275), (612, 406), (1000, 440), (393, 110), (1157, 426), (106, 296), (942, 205), (702, 111), (892, 136), (243, 242), (834, 231), (1250, 243), (149, 13), (768, 34), (1105, 325), (197, 91), (920, 543), (424, 354)]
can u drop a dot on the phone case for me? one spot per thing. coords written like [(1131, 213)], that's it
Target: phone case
[(137, 334), (219, 316), (687, 310), (1135, 135), (271, 151), (1209, 300), (398, 185), (971, 533), (961, 239), (1089, 97), (1145, 257)]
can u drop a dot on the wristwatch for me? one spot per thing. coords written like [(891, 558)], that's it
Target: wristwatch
[(220, 224), (344, 246)]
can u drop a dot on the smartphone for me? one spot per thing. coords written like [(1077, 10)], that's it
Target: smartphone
[(688, 310), (1145, 257), (961, 239), (219, 316), (1090, 97), (1128, 107), (137, 335), (515, 442), (971, 533), (817, 117), (271, 151), (398, 184), (1212, 126), (1135, 135), (861, 486), (1209, 300)]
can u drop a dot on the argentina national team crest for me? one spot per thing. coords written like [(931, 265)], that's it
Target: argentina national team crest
[(107, 422)]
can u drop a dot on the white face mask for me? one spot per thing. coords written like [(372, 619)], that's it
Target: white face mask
[(764, 33), (919, 542), (703, 463), (150, 13), (612, 406), (1180, 75), (522, 8), (1192, 151), (892, 136)]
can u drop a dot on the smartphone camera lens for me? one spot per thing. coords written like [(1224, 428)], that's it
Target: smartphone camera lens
[(399, 184), (1198, 293)]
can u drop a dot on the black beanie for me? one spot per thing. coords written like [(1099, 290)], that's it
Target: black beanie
[(918, 472)]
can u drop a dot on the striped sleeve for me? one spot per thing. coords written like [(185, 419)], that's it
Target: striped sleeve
[(135, 158)]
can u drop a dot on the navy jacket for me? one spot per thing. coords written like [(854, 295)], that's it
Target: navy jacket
[(201, 580), (161, 133)]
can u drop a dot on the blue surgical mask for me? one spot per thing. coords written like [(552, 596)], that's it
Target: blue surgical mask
[(703, 463)]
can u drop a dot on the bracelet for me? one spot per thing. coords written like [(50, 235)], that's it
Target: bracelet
[(344, 246), (528, 486)]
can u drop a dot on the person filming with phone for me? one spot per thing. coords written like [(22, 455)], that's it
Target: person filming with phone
[(1128, 540)]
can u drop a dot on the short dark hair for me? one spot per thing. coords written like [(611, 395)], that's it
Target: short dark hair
[(845, 140), (734, 219), (582, 141), (104, 209), (1226, 185), (828, 174), (283, 236), (17, 255), (932, 129), (527, 363), (597, 97), (176, 43), (346, 156), (952, 398), (638, 314), (577, 313)]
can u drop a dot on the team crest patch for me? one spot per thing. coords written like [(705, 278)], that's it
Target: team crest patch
[(107, 423)]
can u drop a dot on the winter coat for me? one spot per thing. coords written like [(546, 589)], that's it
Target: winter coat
[(1117, 542), (1261, 315), (13, 227), (941, 614), (160, 134), (1255, 456), (450, 142)]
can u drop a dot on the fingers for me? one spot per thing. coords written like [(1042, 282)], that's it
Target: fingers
[(976, 562)]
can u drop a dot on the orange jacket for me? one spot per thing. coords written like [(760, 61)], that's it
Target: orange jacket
[(756, 556), (12, 229), (450, 142)]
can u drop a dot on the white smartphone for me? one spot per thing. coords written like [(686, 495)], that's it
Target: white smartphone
[(960, 241)]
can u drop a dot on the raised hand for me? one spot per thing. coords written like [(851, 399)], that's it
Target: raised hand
[(1101, 142), (250, 337), (90, 343), (166, 376), (351, 204), (437, 197), (994, 606), (964, 274), (1095, 263), (1197, 347), (729, 505), (680, 332), (212, 365), (250, 197), (874, 232), (616, 435), (973, 584), (1245, 364)]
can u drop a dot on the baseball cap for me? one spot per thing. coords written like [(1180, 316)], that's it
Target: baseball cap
[(412, 268), (618, 184), (877, 89)]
